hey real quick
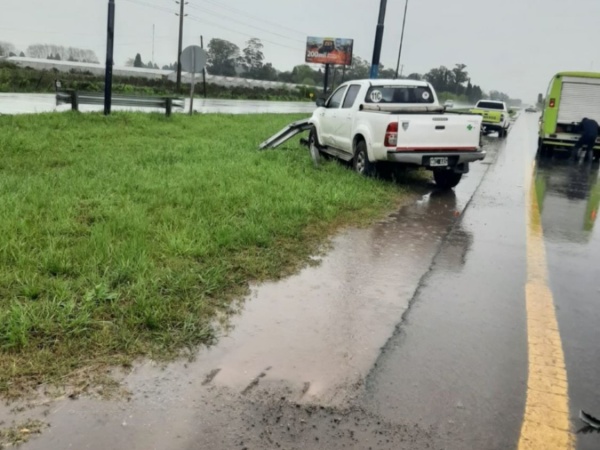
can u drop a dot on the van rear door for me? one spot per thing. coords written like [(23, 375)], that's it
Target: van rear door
[(579, 98)]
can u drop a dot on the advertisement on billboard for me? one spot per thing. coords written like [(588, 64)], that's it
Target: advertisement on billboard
[(329, 50)]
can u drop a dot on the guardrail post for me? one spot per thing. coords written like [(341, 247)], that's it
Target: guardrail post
[(168, 106), (74, 101)]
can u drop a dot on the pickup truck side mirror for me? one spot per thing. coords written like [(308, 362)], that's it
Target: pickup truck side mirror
[(321, 102)]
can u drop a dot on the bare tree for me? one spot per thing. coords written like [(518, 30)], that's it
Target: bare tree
[(43, 51), (6, 48)]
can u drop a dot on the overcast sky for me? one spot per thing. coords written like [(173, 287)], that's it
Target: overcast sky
[(511, 45)]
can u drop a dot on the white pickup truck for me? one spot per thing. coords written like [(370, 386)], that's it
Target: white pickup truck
[(377, 123)]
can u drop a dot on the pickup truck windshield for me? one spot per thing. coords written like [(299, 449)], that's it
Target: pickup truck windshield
[(490, 105), (399, 94)]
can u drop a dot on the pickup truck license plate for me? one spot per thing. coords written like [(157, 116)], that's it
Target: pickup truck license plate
[(438, 161)]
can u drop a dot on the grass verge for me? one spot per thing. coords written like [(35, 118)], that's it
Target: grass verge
[(127, 236)]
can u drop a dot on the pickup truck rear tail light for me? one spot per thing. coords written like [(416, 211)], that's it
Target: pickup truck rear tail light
[(552, 103), (502, 117), (391, 135)]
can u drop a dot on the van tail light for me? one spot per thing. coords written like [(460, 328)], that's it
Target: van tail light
[(391, 135), (552, 102)]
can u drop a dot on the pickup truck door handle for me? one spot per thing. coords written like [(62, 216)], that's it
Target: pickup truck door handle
[(440, 127)]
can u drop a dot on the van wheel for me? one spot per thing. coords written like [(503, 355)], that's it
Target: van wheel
[(361, 162), (446, 179), (544, 151)]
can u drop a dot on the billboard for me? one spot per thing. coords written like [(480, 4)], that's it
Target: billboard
[(328, 50)]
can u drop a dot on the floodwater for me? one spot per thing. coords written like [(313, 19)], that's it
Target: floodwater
[(43, 103)]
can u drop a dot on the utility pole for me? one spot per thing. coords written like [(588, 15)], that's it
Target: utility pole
[(203, 70), (182, 4), (378, 40), (110, 43), (153, 34), (402, 37)]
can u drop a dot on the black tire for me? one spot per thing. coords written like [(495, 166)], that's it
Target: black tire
[(542, 150), (361, 162), (502, 133), (313, 146), (446, 179)]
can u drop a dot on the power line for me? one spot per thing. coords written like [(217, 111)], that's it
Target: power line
[(219, 26), (213, 13), (151, 5), (201, 20), (198, 19), (246, 14)]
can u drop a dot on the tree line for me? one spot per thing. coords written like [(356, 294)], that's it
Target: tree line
[(227, 59), (50, 51)]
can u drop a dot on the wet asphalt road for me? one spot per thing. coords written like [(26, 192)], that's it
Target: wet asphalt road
[(571, 196), (411, 334), (42, 103)]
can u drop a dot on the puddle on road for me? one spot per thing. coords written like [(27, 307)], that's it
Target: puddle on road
[(311, 338), (321, 330)]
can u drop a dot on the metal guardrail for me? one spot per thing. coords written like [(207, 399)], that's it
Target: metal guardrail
[(286, 134), (75, 99)]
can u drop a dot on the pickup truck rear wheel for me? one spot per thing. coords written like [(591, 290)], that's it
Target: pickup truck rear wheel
[(446, 179), (361, 162)]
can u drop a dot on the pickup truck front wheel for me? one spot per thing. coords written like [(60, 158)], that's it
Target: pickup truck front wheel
[(361, 162), (313, 146), (446, 179)]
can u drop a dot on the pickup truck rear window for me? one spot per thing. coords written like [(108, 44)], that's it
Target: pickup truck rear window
[(399, 94), (491, 105)]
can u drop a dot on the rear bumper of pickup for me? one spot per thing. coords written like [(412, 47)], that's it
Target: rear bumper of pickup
[(422, 158)]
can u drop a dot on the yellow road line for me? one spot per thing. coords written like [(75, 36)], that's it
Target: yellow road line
[(546, 423)]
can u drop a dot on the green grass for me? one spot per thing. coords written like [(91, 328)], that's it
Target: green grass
[(127, 236)]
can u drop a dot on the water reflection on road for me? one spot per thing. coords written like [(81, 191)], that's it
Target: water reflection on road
[(568, 196)]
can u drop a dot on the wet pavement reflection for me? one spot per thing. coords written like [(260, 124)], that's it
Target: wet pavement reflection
[(569, 197), (457, 364)]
